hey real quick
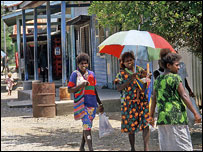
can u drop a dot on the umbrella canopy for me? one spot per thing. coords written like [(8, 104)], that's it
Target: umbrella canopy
[(3, 54), (123, 41)]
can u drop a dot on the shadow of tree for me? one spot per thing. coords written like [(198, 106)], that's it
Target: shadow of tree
[(66, 139)]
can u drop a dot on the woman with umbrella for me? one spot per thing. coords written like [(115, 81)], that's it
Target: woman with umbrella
[(135, 107)]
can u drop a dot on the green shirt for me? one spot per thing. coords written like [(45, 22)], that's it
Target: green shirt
[(171, 109)]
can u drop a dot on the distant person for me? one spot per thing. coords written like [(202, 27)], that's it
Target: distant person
[(5, 63), (43, 63), (159, 71), (171, 99), (10, 83)]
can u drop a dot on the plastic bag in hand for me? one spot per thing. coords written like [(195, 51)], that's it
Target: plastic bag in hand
[(105, 127)]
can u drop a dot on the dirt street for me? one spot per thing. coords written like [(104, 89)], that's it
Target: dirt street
[(21, 132)]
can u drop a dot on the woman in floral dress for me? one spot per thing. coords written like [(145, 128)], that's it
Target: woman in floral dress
[(134, 106)]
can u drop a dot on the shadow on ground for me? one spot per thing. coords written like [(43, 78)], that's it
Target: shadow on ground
[(66, 139)]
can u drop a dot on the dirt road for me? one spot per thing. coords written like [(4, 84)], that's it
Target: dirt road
[(21, 132)]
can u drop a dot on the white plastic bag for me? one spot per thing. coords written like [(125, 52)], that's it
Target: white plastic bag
[(105, 127), (80, 78)]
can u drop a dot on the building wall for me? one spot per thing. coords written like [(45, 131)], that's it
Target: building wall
[(99, 62), (194, 70)]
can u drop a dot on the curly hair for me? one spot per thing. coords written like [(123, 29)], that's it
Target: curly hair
[(9, 75), (82, 57), (124, 56), (168, 57)]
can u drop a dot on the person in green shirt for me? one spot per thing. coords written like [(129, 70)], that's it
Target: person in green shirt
[(171, 99)]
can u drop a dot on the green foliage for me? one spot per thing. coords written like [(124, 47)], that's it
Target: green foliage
[(9, 44), (179, 22)]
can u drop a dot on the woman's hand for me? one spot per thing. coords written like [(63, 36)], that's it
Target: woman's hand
[(101, 108), (191, 94), (151, 121), (134, 76), (149, 75), (85, 83), (197, 118)]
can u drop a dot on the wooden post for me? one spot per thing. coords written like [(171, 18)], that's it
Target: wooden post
[(6, 57), (19, 47), (24, 47), (93, 39), (72, 35), (49, 42), (63, 41), (35, 46)]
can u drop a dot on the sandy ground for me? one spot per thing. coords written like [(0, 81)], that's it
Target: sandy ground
[(21, 132)]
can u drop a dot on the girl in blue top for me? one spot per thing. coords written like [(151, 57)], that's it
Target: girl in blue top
[(91, 98)]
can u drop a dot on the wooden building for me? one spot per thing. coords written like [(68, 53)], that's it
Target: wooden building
[(73, 31)]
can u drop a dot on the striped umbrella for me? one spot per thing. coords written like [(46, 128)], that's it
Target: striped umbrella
[(123, 41), (149, 44)]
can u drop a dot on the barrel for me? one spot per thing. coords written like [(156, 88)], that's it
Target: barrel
[(43, 99), (64, 94)]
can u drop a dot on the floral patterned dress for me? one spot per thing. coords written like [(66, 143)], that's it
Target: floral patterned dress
[(135, 106)]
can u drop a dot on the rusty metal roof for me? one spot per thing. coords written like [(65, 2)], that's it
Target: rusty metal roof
[(78, 20)]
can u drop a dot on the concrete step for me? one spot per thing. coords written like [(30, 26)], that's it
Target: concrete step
[(20, 104), (27, 94), (3, 87), (24, 95), (109, 98), (62, 107)]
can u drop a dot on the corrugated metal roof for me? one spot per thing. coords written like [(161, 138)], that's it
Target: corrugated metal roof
[(10, 18), (10, 3)]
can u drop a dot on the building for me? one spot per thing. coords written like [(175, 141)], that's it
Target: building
[(75, 31)]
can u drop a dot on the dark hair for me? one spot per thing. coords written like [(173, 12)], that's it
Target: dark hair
[(82, 57), (124, 56), (168, 57)]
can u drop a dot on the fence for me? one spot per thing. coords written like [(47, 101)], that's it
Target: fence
[(197, 79)]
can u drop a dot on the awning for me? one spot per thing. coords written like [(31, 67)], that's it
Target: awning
[(78, 20), (30, 37), (10, 18), (31, 4)]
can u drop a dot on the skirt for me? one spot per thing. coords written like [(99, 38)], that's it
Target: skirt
[(87, 120), (174, 138)]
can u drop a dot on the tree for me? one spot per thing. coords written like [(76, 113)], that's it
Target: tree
[(179, 22), (9, 44)]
